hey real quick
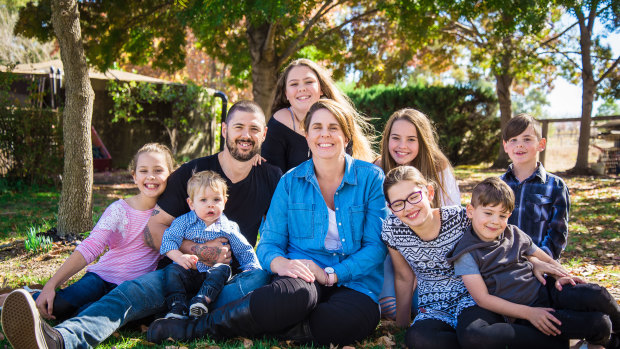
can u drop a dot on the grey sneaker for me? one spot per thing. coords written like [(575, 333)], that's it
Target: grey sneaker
[(23, 325), (198, 306)]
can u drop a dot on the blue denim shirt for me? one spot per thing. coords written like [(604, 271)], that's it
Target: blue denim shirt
[(297, 222)]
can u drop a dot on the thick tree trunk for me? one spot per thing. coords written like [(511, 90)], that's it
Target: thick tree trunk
[(587, 97), (503, 82), (265, 65), (75, 208)]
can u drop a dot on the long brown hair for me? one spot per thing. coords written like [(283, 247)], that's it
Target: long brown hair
[(430, 161), (326, 84), (349, 121)]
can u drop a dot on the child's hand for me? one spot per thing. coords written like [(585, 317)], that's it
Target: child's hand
[(568, 280), (45, 302), (542, 319), (187, 261), (257, 160)]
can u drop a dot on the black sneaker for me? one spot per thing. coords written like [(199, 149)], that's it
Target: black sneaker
[(198, 306), (178, 310), (23, 325)]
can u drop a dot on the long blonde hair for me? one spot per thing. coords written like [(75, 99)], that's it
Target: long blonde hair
[(360, 145), (430, 161)]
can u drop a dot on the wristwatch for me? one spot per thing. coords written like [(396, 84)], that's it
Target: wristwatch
[(330, 274)]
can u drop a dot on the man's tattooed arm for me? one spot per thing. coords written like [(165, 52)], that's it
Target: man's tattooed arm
[(207, 255)]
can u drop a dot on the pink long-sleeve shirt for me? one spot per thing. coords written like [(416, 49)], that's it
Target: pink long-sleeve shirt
[(119, 229)]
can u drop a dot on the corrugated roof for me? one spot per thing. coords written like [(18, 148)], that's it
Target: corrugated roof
[(44, 68)]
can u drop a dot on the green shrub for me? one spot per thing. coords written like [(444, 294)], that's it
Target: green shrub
[(464, 116), (30, 138), (30, 145)]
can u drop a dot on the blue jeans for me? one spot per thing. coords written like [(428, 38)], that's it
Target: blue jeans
[(182, 284), (76, 297), (133, 300), (389, 289)]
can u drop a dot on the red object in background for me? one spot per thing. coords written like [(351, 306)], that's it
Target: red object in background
[(102, 159)]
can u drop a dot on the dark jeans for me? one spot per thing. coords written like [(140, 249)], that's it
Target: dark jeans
[(585, 311), (76, 297), (337, 315), (178, 282)]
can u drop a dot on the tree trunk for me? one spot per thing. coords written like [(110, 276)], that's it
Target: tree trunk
[(587, 97), (75, 208), (503, 82), (265, 65)]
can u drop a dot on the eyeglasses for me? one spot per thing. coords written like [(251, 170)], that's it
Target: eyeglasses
[(413, 199)]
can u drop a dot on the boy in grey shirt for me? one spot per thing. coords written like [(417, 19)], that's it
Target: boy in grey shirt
[(515, 309)]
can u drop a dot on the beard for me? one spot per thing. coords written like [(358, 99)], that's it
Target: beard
[(238, 154)]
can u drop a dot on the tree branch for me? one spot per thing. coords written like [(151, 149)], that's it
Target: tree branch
[(558, 35), (293, 46), (337, 28), (592, 16), (613, 66)]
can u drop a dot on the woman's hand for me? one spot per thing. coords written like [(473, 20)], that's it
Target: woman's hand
[(541, 268), (45, 302), (295, 268), (319, 273)]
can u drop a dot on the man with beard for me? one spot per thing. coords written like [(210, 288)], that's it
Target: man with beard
[(250, 191)]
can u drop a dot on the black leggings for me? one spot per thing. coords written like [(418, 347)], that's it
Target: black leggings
[(337, 315), (585, 310), (430, 334)]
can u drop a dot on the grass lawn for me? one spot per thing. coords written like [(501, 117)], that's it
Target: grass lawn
[(592, 250)]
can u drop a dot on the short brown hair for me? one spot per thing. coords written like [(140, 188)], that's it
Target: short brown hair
[(493, 191), (520, 123), (200, 180), (246, 106), (404, 173)]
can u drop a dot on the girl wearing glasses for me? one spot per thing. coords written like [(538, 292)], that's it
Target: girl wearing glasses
[(418, 238), (410, 139)]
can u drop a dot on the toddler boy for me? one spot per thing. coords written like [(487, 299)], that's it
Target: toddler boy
[(206, 221), (491, 258), (541, 198)]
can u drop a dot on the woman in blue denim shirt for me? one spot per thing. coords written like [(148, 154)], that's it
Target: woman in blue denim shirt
[(322, 239)]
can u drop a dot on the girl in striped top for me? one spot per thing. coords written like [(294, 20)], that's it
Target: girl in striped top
[(120, 231)]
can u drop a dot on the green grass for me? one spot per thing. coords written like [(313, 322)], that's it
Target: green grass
[(22, 207), (593, 238)]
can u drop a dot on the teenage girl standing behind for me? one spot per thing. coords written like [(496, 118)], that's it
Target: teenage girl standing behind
[(300, 85), (410, 139), (119, 229)]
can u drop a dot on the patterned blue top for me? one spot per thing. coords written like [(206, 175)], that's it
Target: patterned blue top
[(441, 293), (190, 227), (541, 209)]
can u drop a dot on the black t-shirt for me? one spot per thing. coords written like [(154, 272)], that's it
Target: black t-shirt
[(248, 199), (284, 147)]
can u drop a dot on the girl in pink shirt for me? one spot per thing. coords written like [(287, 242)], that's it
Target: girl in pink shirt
[(120, 230)]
